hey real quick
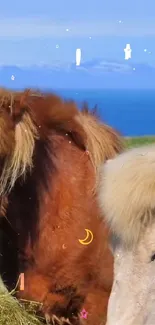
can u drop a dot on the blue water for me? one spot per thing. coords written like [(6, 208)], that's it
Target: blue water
[(132, 112)]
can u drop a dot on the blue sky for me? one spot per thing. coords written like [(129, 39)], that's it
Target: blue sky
[(41, 32)]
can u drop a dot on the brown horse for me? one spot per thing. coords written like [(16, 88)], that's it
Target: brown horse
[(50, 152)]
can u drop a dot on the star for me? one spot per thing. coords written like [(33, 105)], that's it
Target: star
[(127, 51), (83, 313)]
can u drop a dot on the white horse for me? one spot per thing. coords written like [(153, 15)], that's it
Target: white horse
[(127, 199)]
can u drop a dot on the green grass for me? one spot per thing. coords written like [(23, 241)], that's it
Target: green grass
[(139, 141)]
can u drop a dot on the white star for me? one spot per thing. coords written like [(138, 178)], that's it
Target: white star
[(145, 50), (67, 29), (12, 77), (57, 46)]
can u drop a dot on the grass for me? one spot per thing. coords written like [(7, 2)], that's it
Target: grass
[(11, 311), (139, 141)]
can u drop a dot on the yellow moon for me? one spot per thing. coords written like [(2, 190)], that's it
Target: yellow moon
[(86, 241)]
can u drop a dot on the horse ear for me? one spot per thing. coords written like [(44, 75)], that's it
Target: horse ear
[(20, 104), (24, 96)]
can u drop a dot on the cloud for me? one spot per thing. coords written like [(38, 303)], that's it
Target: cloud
[(40, 27)]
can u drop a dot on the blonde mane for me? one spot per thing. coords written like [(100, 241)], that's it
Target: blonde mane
[(20, 159), (126, 193), (103, 142)]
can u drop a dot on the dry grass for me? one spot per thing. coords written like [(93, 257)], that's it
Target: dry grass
[(13, 313)]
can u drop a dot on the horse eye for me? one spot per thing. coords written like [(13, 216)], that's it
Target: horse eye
[(153, 257)]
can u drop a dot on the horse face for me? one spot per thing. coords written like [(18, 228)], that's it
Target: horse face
[(132, 299)]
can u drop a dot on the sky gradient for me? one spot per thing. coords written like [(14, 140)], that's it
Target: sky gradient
[(41, 32)]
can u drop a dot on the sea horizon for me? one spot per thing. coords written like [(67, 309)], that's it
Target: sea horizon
[(130, 111)]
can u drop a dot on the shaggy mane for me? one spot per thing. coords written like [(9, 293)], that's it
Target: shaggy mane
[(103, 142), (35, 115), (20, 160), (127, 193), (20, 144)]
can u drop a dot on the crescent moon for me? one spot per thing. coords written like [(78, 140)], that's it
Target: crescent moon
[(85, 241)]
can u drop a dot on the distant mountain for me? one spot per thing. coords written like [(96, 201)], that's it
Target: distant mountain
[(97, 73)]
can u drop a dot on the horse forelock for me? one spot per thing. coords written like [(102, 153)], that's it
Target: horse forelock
[(21, 157), (38, 115)]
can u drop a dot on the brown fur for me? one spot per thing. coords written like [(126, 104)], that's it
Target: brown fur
[(54, 203)]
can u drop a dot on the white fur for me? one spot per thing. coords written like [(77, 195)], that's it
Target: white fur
[(127, 192)]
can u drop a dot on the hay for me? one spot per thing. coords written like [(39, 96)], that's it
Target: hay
[(12, 312)]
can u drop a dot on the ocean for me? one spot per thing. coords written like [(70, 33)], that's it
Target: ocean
[(132, 112)]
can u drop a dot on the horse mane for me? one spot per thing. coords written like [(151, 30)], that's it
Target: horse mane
[(103, 142), (3, 206), (35, 116), (127, 193)]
